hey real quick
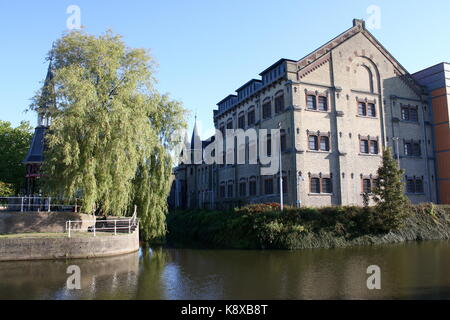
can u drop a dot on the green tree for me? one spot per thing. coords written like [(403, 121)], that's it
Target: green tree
[(112, 132), (6, 189), (389, 194), (14, 145)]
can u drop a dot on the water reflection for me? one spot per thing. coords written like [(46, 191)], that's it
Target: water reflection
[(409, 271)]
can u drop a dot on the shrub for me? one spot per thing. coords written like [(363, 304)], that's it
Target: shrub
[(259, 208)]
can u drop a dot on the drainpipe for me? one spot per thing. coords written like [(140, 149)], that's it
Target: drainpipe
[(426, 154)]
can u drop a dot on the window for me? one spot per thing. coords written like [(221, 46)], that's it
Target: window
[(409, 113), (251, 117), (327, 187), (315, 185), (416, 149), (269, 145), (323, 104), (268, 186), (324, 143), (419, 186), (319, 185), (230, 191), (283, 139), (410, 186), (311, 102), (312, 142), (367, 109), (222, 191), (367, 186), (405, 113), (364, 146), (373, 147), (413, 116), (368, 146), (243, 189), (241, 121), (414, 185), (267, 110), (412, 149), (252, 187), (371, 111), (230, 124), (279, 103), (408, 149), (362, 109)]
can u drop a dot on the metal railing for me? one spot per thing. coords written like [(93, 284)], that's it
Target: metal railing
[(27, 204), (112, 226)]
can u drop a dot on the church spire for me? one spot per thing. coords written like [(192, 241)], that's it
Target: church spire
[(48, 93), (195, 140), (196, 145)]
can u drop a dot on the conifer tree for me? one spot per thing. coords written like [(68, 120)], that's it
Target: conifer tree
[(388, 194)]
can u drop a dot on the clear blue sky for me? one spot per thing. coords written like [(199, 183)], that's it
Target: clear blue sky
[(207, 49)]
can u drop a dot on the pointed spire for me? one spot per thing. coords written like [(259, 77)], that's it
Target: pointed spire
[(196, 142), (48, 90)]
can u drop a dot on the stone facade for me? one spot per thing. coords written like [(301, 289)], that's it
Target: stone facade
[(338, 108)]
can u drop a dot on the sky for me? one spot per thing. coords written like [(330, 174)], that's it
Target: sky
[(206, 49)]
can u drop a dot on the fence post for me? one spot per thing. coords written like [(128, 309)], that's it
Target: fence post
[(115, 227), (94, 228), (69, 228), (49, 200), (21, 206), (129, 226)]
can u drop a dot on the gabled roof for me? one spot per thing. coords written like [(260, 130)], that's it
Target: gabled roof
[(358, 27)]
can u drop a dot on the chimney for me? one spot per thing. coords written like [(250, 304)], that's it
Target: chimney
[(359, 23)]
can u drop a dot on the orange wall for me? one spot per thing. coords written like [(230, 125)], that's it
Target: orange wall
[(444, 191), (442, 134)]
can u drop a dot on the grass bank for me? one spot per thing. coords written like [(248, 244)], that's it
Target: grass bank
[(265, 227)]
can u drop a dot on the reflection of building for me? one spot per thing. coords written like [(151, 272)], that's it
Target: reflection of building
[(436, 79), (338, 107), (35, 156)]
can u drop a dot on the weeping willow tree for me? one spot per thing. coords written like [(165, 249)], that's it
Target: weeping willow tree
[(111, 132)]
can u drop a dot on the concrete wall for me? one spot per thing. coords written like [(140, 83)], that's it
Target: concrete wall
[(48, 222), (67, 248)]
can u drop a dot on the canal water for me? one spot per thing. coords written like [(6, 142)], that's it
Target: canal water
[(408, 271)]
